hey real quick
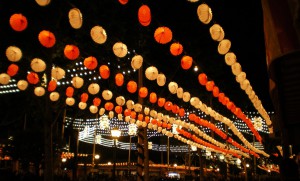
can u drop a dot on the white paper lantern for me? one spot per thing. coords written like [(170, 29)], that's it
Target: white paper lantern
[(151, 73), (22, 84), (13, 54), (43, 2), (129, 104), (173, 86), (70, 101), (98, 34), (186, 96), (136, 62), (82, 105), (94, 88), (107, 95), (101, 111), (38, 65), (120, 100), (236, 68), (93, 109), (146, 110), (39, 91), (77, 82), (4, 78), (230, 58), (58, 73), (120, 49), (120, 117), (161, 79), (216, 32), (204, 13), (224, 46), (54, 96), (137, 107), (179, 92), (75, 18)]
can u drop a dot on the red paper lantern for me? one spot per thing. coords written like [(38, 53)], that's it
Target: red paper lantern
[(163, 35), (154, 121), (181, 112), (143, 92), (159, 123), (144, 15), (210, 85), (131, 86), (216, 91), (202, 78), (33, 78), (161, 101), (176, 49), (104, 71), (84, 97), (186, 62), (118, 109), (52, 85), (12, 69), (140, 117), (109, 106), (18, 22), (71, 52), (153, 97), (147, 119), (168, 105), (91, 63), (133, 114), (97, 101), (47, 38), (123, 1), (69, 91), (127, 112), (119, 79), (175, 109)]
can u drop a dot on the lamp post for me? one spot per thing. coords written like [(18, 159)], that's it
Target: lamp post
[(115, 133)]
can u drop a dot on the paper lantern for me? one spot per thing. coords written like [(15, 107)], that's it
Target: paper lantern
[(47, 38), (161, 101), (22, 84), (70, 101), (210, 85), (52, 85), (143, 92), (82, 105), (69, 91), (136, 62), (75, 18), (58, 73), (33, 78), (153, 97), (77, 82), (39, 91), (179, 92), (93, 109), (168, 105), (90, 63), (216, 91), (131, 86), (97, 101), (176, 49), (194, 101), (71, 52), (146, 110), (13, 53), (38, 65), (118, 109), (84, 97), (153, 113), (12, 70), (123, 2), (4, 78), (98, 34), (241, 77), (101, 112), (161, 79), (127, 112), (216, 32), (119, 79), (186, 62), (175, 109), (236, 68), (43, 2), (230, 58), (18, 22), (109, 106), (202, 78), (173, 86), (120, 49), (224, 46), (144, 15), (137, 107), (94, 88), (151, 73), (111, 114), (204, 13), (186, 96), (54, 96), (104, 71), (120, 100), (163, 35), (107, 95)]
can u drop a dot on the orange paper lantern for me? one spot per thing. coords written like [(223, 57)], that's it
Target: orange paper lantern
[(140, 117), (69, 91), (144, 15), (127, 112), (161, 102), (12, 69), (210, 85), (175, 109), (143, 92), (216, 91), (18, 22), (176, 49), (71, 52), (84, 97), (118, 109), (47, 38), (97, 101), (147, 119), (131, 86), (52, 85), (168, 105), (153, 97), (33, 78), (104, 71), (186, 62), (91, 63), (133, 114), (123, 2), (202, 78), (181, 112), (154, 121), (109, 106), (163, 35), (119, 79)]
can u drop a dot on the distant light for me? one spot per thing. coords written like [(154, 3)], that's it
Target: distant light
[(108, 163), (196, 69), (97, 157), (64, 159), (247, 165), (175, 165)]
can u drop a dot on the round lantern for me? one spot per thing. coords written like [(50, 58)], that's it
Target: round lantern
[(119, 79), (18, 22), (210, 85), (186, 62), (129, 104), (131, 86), (84, 97), (101, 111), (109, 106), (241, 77), (52, 85), (111, 114), (94, 88), (194, 101), (137, 107), (22, 84), (179, 92), (75, 18), (173, 86), (33, 78), (216, 32), (204, 13), (69, 91), (245, 84), (38, 65), (107, 95), (39, 91), (82, 105), (146, 110), (153, 97), (168, 105), (202, 78), (216, 91), (161, 101), (12, 69), (143, 92), (236, 68), (123, 2), (77, 82), (144, 15), (93, 109), (136, 62), (90, 63), (118, 109), (98, 34), (120, 117), (43, 2), (71, 52), (104, 71), (47, 38), (151, 73), (120, 100), (224, 46), (153, 114), (161, 79), (58, 73), (163, 35), (176, 49), (186, 96), (54, 96), (120, 49), (4, 78), (13, 53), (175, 109), (97, 101), (230, 58), (70, 101)]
